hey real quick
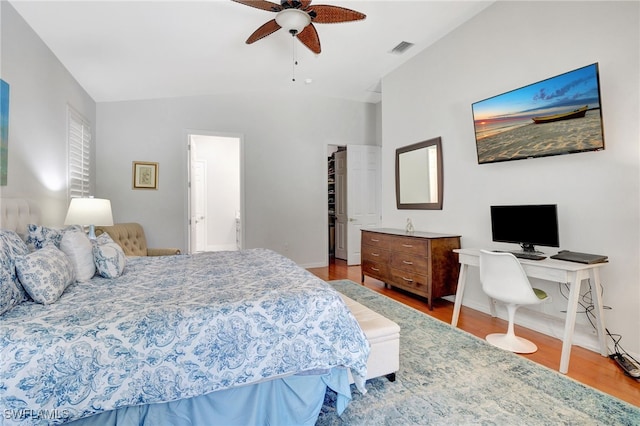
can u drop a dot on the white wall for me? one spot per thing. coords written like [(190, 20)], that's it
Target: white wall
[(509, 45), (40, 90), (285, 145)]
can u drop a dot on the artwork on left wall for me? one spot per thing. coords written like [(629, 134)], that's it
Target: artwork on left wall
[(145, 175), (4, 131)]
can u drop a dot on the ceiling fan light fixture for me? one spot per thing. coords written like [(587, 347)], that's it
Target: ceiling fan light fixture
[(293, 20), (295, 17)]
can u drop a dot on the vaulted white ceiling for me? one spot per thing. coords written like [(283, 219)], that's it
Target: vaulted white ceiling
[(126, 50)]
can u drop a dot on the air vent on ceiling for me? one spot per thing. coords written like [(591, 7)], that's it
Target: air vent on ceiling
[(401, 48)]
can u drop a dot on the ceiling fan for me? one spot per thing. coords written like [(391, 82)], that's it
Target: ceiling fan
[(298, 17)]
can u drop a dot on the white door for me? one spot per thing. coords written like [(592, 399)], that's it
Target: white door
[(198, 206), (341, 243), (363, 195)]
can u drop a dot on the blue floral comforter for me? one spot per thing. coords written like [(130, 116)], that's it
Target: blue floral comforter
[(173, 327)]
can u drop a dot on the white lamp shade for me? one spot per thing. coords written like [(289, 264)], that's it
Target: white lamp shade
[(293, 19), (89, 211)]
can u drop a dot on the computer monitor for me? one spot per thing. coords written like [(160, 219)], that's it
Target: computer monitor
[(527, 225)]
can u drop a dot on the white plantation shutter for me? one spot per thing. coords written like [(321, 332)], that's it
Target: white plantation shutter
[(79, 145)]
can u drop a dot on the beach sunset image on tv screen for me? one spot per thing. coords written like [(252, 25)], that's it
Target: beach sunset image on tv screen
[(559, 115)]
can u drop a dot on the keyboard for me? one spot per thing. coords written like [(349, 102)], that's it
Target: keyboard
[(522, 255), (529, 256)]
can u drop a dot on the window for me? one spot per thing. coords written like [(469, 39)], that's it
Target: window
[(79, 159)]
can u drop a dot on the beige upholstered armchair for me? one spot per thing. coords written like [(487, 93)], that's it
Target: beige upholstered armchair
[(130, 236)]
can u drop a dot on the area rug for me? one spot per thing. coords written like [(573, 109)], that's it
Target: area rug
[(450, 377)]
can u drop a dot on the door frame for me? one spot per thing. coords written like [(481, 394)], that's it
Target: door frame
[(341, 206), (187, 140)]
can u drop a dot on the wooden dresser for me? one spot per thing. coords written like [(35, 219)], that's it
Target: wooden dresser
[(422, 263)]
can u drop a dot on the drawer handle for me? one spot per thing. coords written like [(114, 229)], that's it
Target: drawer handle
[(407, 245), (409, 280), (375, 269), (375, 254), (375, 241), (406, 262)]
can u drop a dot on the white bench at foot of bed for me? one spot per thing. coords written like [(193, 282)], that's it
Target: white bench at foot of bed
[(383, 336)]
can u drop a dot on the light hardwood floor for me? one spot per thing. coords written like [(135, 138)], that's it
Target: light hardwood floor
[(586, 366)]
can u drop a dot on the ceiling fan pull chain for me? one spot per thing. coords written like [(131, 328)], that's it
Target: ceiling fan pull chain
[(295, 61)]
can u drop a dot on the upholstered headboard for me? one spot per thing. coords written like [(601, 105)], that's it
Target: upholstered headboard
[(17, 213)]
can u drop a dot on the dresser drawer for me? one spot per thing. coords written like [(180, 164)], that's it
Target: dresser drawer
[(373, 269), (405, 244), (408, 262), (374, 254), (375, 239), (415, 283), (409, 245)]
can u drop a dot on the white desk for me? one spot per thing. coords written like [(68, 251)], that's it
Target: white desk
[(560, 271)]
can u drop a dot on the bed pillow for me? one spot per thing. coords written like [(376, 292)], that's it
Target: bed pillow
[(45, 273), (78, 248), (11, 246), (108, 257), (10, 295), (12, 241), (39, 236)]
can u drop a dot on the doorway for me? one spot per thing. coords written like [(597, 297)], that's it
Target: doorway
[(215, 192), (354, 189)]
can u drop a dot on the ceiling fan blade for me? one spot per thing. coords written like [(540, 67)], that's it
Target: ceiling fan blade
[(261, 4), (266, 29), (331, 14), (304, 4), (309, 37)]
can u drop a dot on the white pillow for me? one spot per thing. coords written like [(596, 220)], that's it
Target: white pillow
[(108, 257), (78, 248), (45, 273)]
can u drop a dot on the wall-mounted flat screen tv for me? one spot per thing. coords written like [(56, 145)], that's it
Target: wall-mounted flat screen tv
[(559, 115)]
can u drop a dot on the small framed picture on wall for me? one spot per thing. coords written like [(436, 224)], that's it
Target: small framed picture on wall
[(145, 175)]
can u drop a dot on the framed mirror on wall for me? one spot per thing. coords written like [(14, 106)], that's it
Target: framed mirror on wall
[(419, 176)]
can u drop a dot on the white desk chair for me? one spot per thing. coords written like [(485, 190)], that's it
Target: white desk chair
[(503, 279)]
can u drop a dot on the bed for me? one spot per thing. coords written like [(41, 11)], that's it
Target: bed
[(244, 337)]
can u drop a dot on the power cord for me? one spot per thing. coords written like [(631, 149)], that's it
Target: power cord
[(585, 302)]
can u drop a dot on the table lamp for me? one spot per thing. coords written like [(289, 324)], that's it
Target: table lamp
[(89, 211)]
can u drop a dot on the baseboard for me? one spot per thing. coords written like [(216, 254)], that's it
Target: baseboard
[(313, 265), (222, 247)]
